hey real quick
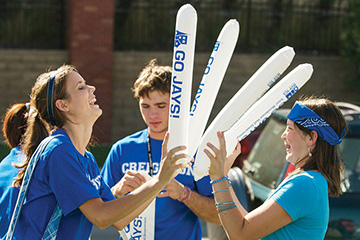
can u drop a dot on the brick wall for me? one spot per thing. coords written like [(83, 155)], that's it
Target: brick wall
[(90, 46), (19, 69)]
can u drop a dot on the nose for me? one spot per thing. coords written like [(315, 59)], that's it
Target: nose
[(283, 135), (92, 88), (152, 112)]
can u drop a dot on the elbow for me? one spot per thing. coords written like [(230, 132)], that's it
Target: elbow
[(101, 227), (100, 223)]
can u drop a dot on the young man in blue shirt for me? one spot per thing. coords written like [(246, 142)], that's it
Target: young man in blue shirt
[(180, 205)]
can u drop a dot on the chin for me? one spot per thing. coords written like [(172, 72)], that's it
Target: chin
[(99, 113)]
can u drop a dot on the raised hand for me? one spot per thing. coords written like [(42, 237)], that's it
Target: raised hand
[(170, 166)]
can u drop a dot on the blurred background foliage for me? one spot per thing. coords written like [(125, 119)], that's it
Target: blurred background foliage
[(350, 36)]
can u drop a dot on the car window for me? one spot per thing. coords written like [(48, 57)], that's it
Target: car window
[(350, 154), (266, 160)]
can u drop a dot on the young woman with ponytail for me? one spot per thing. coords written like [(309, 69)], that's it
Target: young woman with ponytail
[(14, 126), (66, 174), (299, 207)]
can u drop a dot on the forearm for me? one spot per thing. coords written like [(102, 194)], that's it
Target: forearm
[(126, 220), (203, 207), (122, 210), (237, 202), (233, 219)]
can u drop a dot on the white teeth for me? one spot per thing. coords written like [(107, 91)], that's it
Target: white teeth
[(92, 101)]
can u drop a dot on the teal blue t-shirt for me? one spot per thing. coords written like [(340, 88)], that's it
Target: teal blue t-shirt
[(304, 196)]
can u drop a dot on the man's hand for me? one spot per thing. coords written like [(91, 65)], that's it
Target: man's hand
[(131, 181), (174, 189)]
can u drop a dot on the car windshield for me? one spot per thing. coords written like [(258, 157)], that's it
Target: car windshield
[(266, 162), (350, 153)]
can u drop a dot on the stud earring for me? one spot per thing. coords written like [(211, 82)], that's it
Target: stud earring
[(310, 154)]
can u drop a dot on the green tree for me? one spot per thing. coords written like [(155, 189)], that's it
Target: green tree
[(351, 41)]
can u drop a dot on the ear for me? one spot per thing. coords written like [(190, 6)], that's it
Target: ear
[(313, 137), (60, 104)]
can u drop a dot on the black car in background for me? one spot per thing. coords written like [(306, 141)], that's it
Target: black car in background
[(266, 167)]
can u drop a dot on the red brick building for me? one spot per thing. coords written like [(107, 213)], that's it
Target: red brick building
[(90, 45)]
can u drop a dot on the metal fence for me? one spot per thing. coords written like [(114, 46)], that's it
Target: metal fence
[(266, 25), (32, 24)]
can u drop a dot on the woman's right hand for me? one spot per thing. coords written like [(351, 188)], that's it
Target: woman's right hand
[(170, 166)]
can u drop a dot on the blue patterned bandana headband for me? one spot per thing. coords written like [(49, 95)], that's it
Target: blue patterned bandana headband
[(309, 119)]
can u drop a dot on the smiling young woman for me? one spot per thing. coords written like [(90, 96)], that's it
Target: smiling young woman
[(299, 207), (66, 174)]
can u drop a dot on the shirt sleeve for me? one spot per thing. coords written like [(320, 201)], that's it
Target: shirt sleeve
[(69, 179), (296, 196), (203, 187), (105, 191), (111, 171)]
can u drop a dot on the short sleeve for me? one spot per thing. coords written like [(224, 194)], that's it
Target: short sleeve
[(204, 187), (296, 196), (111, 171), (70, 180)]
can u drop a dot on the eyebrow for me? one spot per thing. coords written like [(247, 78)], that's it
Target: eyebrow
[(156, 104), (80, 82)]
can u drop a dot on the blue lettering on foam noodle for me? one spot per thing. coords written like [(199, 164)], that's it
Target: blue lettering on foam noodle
[(291, 91), (180, 38), (276, 77), (207, 70), (175, 107), (198, 94), (138, 222), (179, 57), (217, 46)]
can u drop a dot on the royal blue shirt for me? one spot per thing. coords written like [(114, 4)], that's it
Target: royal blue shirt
[(173, 219), (66, 177), (8, 194)]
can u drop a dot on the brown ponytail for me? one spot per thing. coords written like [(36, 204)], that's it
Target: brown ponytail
[(14, 124)]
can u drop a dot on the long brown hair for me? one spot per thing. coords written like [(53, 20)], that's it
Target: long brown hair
[(39, 121), (14, 124), (325, 157)]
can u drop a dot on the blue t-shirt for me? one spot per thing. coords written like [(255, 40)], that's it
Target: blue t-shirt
[(304, 196), (8, 194), (62, 175), (173, 219)]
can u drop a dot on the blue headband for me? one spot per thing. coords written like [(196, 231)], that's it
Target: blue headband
[(309, 119), (50, 98)]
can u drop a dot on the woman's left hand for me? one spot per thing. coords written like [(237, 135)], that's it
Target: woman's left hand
[(217, 158)]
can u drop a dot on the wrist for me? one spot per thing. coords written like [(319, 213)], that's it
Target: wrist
[(219, 179), (186, 194), (113, 191)]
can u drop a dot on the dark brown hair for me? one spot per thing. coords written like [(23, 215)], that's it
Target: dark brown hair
[(152, 77), (325, 157), (14, 124), (39, 120)]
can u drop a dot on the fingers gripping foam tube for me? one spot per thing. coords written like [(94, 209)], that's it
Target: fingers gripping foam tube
[(211, 81), (254, 88), (182, 71)]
